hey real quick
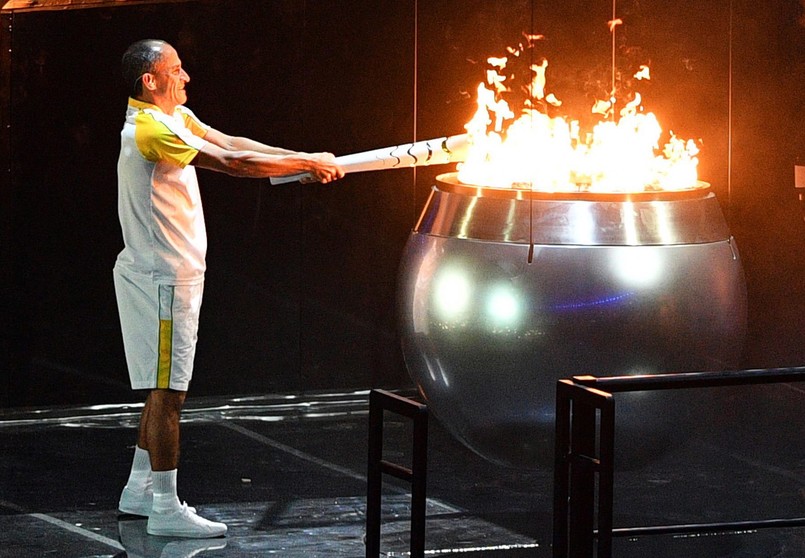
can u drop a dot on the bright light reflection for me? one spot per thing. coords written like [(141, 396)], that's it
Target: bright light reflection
[(502, 306), (637, 265), (665, 230), (452, 294), (584, 226), (436, 370)]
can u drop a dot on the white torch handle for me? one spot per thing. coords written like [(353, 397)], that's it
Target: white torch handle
[(436, 151)]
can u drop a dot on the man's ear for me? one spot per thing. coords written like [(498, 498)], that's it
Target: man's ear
[(149, 81)]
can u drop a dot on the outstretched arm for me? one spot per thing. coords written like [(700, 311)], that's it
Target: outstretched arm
[(244, 157), (236, 143)]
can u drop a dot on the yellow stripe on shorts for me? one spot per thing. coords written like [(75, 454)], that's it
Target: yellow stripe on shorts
[(165, 351), (165, 356)]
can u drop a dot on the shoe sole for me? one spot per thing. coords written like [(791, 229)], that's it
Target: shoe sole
[(138, 513)]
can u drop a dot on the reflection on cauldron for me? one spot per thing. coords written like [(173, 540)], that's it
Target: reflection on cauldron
[(503, 292)]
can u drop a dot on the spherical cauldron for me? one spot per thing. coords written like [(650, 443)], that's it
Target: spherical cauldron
[(503, 292)]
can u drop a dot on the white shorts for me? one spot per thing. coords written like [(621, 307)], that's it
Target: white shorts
[(160, 329)]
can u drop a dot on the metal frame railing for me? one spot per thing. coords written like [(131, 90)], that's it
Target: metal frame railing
[(379, 402), (585, 421)]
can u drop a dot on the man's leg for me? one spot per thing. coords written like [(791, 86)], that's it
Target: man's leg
[(157, 450), (159, 433), (159, 428), (136, 303)]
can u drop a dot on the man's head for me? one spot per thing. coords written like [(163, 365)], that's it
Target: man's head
[(153, 70)]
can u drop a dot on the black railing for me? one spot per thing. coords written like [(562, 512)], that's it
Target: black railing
[(379, 402), (585, 413)]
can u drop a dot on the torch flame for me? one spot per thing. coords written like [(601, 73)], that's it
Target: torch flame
[(552, 153)]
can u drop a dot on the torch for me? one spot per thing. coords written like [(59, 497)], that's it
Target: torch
[(438, 151)]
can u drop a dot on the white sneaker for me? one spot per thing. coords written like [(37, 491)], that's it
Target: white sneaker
[(184, 522), (135, 502), (139, 503)]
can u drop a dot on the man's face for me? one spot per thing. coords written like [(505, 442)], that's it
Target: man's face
[(170, 79)]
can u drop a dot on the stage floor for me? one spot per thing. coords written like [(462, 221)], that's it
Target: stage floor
[(287, 473)]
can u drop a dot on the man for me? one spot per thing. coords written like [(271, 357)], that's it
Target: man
[(159, 275)]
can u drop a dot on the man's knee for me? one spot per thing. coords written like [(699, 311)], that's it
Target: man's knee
[(166, 400)]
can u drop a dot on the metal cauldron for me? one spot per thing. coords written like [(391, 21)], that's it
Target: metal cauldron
[(503, 292)]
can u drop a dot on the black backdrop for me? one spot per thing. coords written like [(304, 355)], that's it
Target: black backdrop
[(300, 291)]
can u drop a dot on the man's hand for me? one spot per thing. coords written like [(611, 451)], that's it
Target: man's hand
[(324, 168)]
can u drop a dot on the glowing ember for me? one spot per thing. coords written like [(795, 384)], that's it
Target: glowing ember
[(544, 153)]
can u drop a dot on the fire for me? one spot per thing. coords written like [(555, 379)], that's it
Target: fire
[(539, 152)]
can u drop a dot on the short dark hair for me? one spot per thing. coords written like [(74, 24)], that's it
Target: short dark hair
[(140, 58)]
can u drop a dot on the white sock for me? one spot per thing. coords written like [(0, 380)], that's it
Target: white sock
[(140, 475), (165, 498)]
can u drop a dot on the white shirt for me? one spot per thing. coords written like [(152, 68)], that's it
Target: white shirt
[(159, 203)]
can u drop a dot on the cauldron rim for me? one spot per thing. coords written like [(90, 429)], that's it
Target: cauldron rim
[(449, 182)]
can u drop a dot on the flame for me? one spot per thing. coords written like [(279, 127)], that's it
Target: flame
[(643, 73), (553, 154)]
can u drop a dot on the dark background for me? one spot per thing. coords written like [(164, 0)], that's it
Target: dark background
[(301, 282)]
